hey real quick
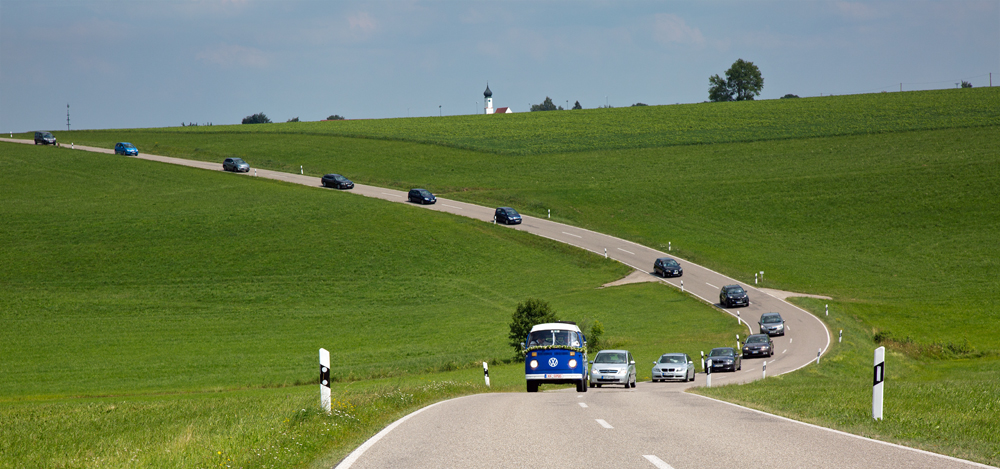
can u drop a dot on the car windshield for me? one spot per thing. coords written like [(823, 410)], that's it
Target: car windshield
[(616, 358), (511, 212), (670, 263), (235, 160), (721, 352), (424, 193), (735, 291), (672, 359), (757, 339), (47, 135), (554, 337), (772, 319), (339, 178)]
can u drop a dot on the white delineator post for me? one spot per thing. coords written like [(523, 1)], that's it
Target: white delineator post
[(702, 360), (738, 319), (818, 353), (301, 171), (763, 371), (827, 310), (324, 380), (877, 383), (486, 373), (708, 372), (840, 338), (682, 286)]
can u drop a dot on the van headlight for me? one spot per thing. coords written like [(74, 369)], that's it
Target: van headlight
[(534, 364), (572, 363)]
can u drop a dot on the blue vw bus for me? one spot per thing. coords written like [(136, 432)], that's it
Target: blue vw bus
[(556, 353)]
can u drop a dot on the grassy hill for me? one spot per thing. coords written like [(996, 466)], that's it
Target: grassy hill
[(162, 316)]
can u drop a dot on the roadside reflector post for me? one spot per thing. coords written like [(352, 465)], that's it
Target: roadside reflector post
[(755, 278), (818, 353), (877, 383), (550, 213), (840, 338), (708, 372), (324, 380), (763, 372), (301, 171), (668, 246), (738, 348), (827, 310), (486, 373), (605, 253), (738, 319), (682, 285), (762, 276), (703, 360), (255, 172)]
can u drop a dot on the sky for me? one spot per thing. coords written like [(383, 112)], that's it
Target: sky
[(161, 63)]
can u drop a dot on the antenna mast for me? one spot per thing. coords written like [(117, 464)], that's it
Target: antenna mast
[(67, 117)]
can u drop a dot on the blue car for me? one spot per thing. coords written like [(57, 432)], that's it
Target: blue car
[(125, 148)]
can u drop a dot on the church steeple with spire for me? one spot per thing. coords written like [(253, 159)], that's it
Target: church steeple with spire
[(488, 98)]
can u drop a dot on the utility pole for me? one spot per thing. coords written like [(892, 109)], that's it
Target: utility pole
[(67, 117)]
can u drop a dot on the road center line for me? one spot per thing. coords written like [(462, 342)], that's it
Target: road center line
[(630, 252), (785, 350), (709, 284), (451, 206), (571, 234), (603, 423), (659, 463), (392, 195), (582, 404)]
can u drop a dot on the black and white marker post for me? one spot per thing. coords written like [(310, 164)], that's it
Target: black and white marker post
[(708, 372), (877, 383), (324, 380), (486, 373)]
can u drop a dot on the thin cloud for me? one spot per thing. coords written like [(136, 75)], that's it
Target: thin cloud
[(672, 29), (229, 55)]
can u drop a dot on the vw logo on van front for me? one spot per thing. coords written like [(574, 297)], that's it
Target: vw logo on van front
[(553, 362)]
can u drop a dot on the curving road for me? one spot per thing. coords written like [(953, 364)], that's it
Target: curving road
[(655, 425)]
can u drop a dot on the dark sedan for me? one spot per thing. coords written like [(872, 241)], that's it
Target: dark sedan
[(733, 295), (337, 181), (507, 216), (421, 196), (771, 324), (667, 267), (758, 345), (724, 359)]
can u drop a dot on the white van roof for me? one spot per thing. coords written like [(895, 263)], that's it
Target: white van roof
[(562, 326)]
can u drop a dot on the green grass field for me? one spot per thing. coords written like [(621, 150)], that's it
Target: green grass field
[(156, 315), (885, 202)]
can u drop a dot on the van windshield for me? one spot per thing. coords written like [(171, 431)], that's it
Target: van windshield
[(554, 337)]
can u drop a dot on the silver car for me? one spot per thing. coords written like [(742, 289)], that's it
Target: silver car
[(673, 366), (613, 367)]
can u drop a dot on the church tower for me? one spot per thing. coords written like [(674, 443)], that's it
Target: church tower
[(488, 98)]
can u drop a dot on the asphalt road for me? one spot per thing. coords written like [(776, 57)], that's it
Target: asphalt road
[(655, 425)]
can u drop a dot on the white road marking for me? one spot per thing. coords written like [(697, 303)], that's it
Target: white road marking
[(789, 341), (582, 404), (659, 463), (709, 284), (630, 252), (747, 371), (603, 423), (452, 206), (785, 350), (392, 195), (571, 234)]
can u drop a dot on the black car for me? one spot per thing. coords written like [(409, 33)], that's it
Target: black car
[(44, 138), (771, 324), (758, 345), (507, 216), (236, 165), (337, 181), (723, 359), (421, 196), (667, 267), (733, 295)]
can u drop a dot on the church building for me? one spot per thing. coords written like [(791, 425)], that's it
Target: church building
[(488, 103)]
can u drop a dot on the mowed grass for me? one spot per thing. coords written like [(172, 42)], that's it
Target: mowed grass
[(157, 315)]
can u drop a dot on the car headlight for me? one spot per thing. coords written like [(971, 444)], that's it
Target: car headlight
[(534, 364), (572, 363)]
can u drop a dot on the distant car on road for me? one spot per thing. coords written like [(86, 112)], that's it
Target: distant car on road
[(44, 138), (421, 196), (613, 367), (125, 148), (724, 358), (667, 267), (758, 345), (733, 295), (236, 165), (337, 181), (771, 324), (507, 216), (673, 366)]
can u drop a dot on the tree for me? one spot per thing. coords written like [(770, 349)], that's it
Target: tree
[(639, 104), (258, 118), (294, 119), (546, 105), (335, 117), (743, 81), (577, 105), (966, 84), (789, 96), (527, 315)]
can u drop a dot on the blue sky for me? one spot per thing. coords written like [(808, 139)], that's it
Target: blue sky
[(127, 64)]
